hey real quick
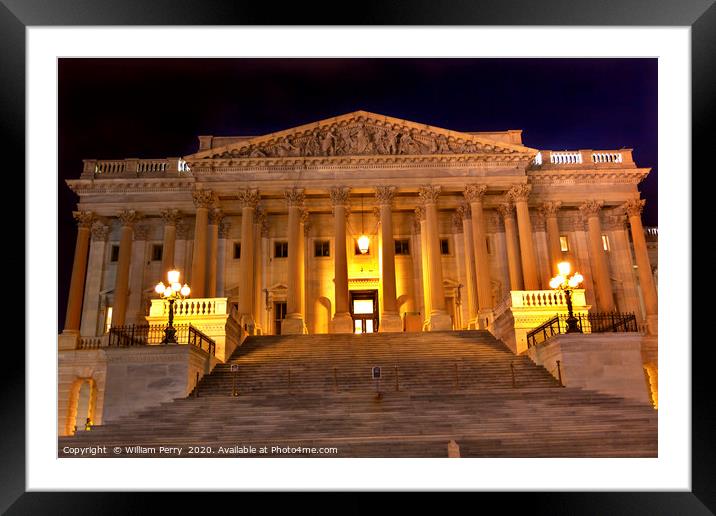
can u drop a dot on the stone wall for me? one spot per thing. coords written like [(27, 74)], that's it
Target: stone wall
[(606, 362)]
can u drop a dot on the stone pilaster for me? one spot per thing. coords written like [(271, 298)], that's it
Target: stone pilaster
[(224, 228), (390, 318), (90, 325), (507, 210), (549, 212), (519, 195), (342, 321), (260, 220), (633, 209), (248, 199), (77, 281), (215, 218), (203, 201), (121, 285), (425, 263), (439, 318), (294, 322), (171, 219), (600, 265), (474, 195), (464, 214)]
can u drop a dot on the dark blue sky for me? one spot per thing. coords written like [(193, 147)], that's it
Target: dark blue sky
[(118, 108)]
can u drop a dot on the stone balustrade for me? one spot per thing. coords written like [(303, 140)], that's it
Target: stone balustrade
[(128, 167), (214, 317), (584, 158), (524, 310)]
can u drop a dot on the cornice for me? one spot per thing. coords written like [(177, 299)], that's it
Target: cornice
[(590, 176), (145, 185)]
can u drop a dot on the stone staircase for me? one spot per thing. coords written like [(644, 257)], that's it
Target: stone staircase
[(315, 391)]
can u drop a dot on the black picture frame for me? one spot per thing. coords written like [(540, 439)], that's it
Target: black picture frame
[(17, 15)]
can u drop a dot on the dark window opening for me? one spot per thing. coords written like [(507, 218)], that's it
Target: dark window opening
[(237, 250), (114, 256), (280, 250), (157, 250), (402, 247), (444, 246), (322, 248)]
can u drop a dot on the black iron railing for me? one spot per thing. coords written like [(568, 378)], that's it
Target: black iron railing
[(605, 322), (151, 334)]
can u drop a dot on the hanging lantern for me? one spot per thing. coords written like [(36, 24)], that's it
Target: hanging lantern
[(363, 244)]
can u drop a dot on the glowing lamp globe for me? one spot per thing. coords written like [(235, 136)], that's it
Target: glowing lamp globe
[(176, 287), (564, 268), (185, 290), (554, 282), (159, 289), (363, 244), (173, 276)]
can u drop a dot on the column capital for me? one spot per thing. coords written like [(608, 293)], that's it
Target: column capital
[(429, 193), (294, 196), (634, 207), (615, 222), (84, 218), (224, 228), (457, 220), (464, 211), (304, 215), (182, 230), (507, 210), (203, 198), (128, 217), (307, 225), (419, 213), (550, 208), (385, 194), (216, 215), (474, 192), (141, 231), (376, 213), (339, 195), (591, 208), (100, 231), (249, 197), (171, 217), (539, 221), (519, 193)]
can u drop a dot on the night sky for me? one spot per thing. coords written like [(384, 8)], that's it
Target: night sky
[(154, 108)]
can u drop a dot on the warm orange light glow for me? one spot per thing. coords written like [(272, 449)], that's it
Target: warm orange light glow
[(564, 268), (363, 244), (173, 276)]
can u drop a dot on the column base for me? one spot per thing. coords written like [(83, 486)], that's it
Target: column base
[(652, 324), (440, 322), (342, 323), (68, 340), (248, 324), (293, 326), (390, 323)]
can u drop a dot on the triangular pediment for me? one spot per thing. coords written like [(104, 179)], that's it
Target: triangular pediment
[(361, 134)]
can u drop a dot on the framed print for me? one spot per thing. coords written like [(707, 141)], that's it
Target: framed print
[(329, 257)]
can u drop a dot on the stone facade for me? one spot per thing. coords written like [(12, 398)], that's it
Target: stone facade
[(254, 221)]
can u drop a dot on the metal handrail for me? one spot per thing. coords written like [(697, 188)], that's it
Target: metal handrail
[(150, 334), (604, 322)]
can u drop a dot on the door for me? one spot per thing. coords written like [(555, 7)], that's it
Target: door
[(364, 310), (279, 309)]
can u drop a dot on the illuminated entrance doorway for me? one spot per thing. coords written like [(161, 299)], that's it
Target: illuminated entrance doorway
[(364, 311)]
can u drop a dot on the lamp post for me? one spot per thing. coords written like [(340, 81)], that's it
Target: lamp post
[(171, 293), (567, 284)]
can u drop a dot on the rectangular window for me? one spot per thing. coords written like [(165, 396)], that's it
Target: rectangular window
[(280, 250), (157, 250), (605, 242), (563, 243), (402, 247), (237, 250), (108, 320), (322, 248), (114, 256), (444, 246)]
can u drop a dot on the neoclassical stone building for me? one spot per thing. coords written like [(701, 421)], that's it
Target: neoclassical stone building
[(456, 223)]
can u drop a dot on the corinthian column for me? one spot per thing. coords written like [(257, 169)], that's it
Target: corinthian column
[(634, 208), (519, 194), (93, 283), (171, 218), (342, 321), (203, 200), (424, 262), (605, 298), (79, 271), (439, 318), (248, 199), (507, 210), (215, 217), (121, 283), (549, 211), (260, 222), (465, 215), (389, 319), (474, 195), (294, 322)]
